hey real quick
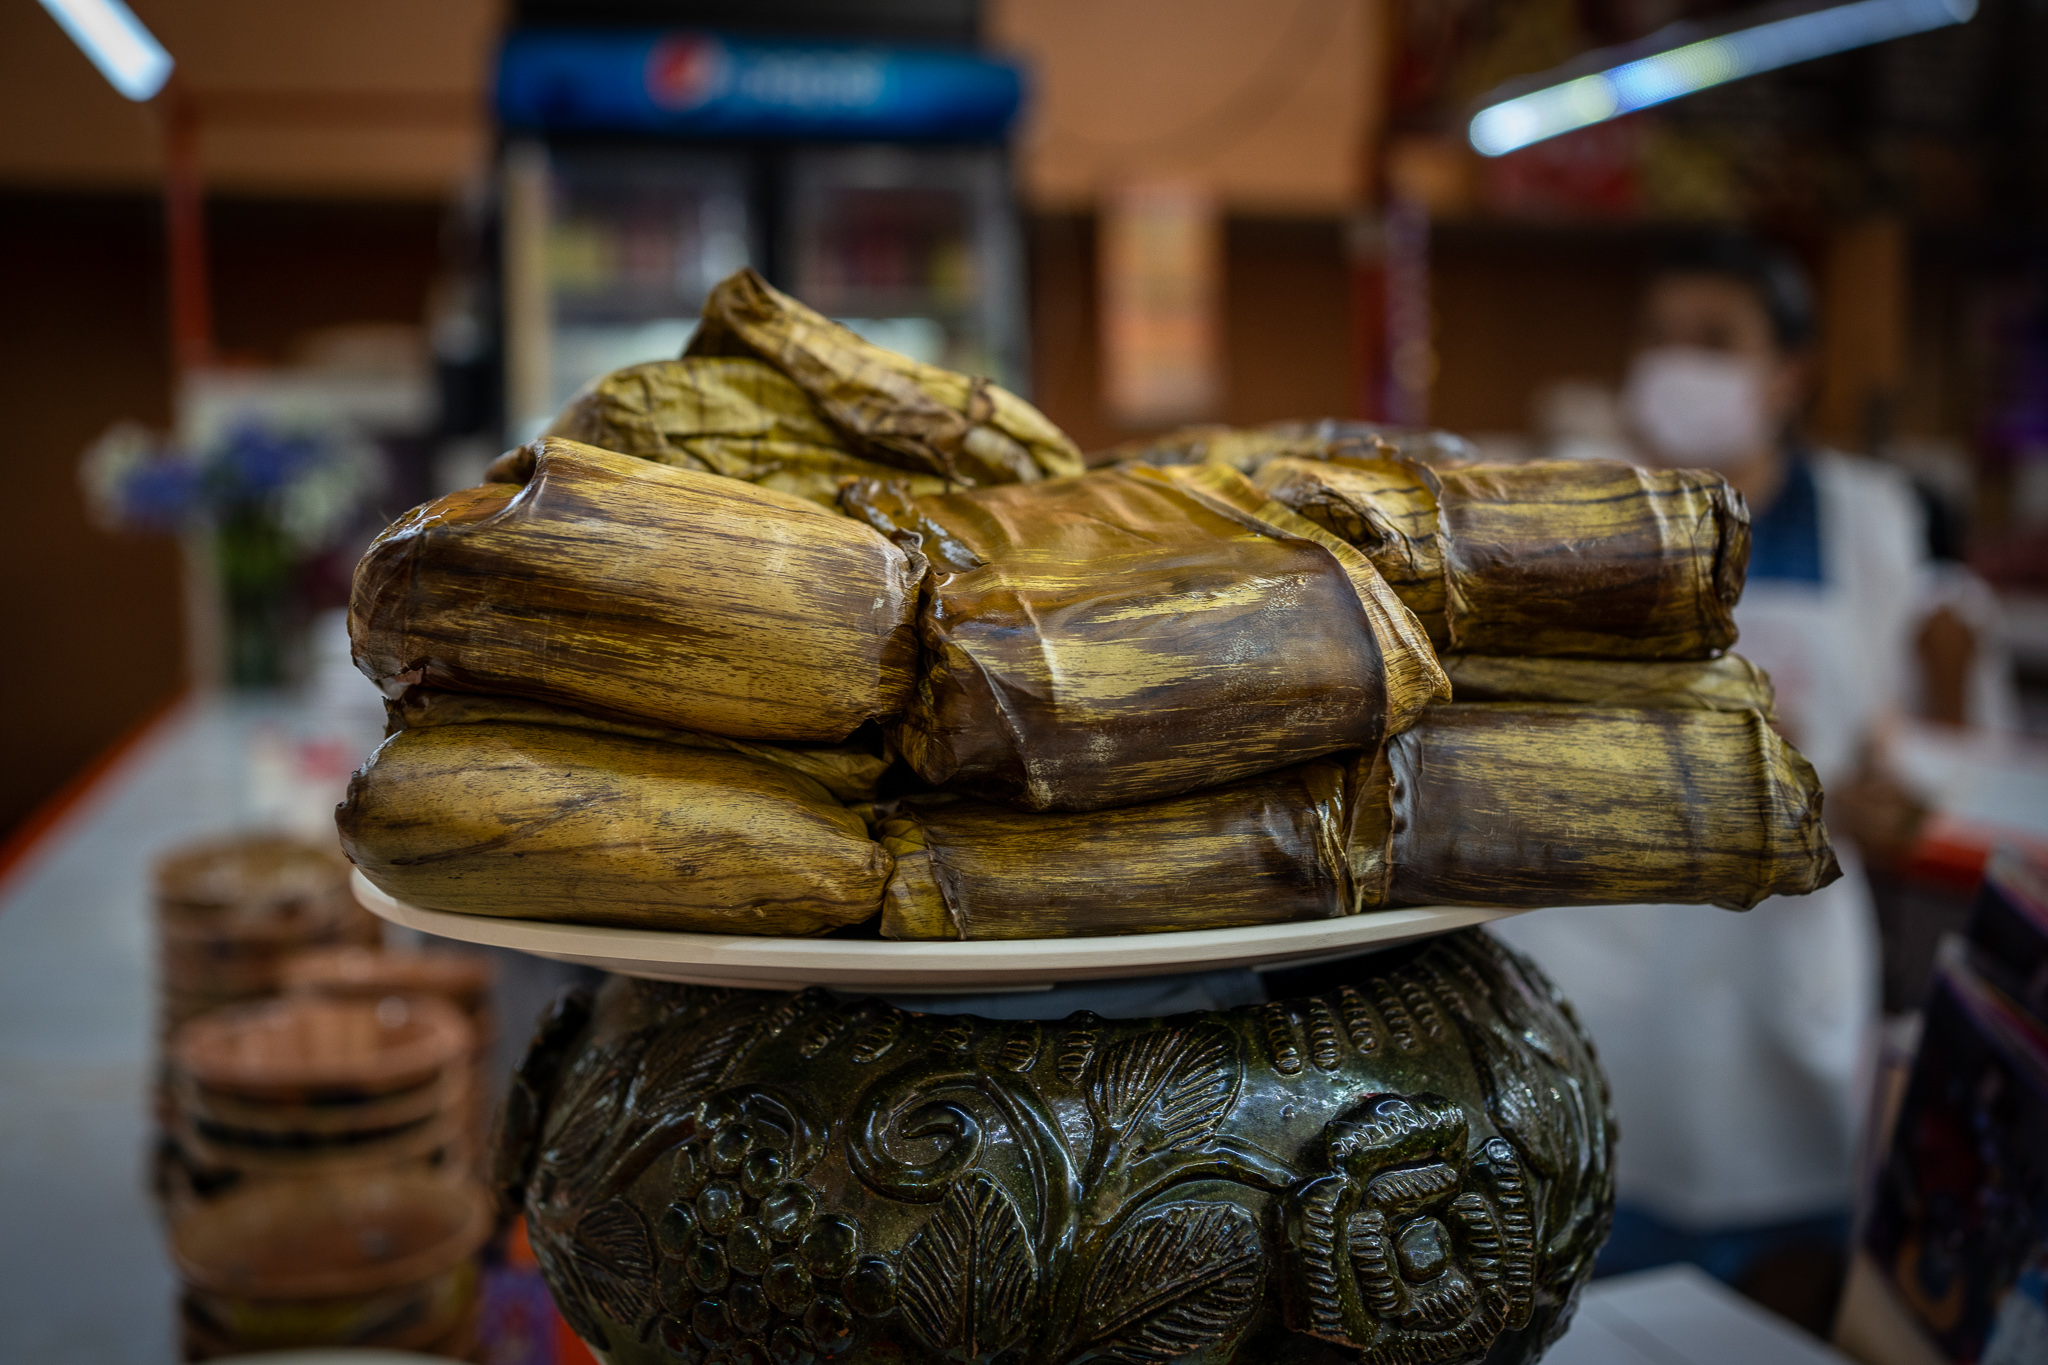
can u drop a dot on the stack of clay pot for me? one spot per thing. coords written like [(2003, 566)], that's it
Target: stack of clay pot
[(335, 1201), (231, 911), (322, 1087), (387, 1261), (464, 980)]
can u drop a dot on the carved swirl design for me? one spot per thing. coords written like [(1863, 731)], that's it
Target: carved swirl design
[(911, 1137)]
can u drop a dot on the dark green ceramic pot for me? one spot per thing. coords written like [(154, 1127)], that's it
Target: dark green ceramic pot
[(1411, 1163)]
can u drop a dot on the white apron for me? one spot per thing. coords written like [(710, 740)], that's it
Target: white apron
[(1735, 1042)]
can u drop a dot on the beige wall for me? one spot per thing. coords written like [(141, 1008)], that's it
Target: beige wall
[(373, 97), (1265, 102)]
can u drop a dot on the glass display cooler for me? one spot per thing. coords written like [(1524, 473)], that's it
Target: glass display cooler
[(642, 166)]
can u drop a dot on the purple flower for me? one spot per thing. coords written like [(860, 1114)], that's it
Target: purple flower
[(160, 494), (255, 462)]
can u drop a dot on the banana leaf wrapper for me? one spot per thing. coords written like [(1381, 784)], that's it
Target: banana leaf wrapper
[(1430, 445), (1260, 851), (1593, 559), (886, 407), (610, 584), (728, 415), (1136, 633), (1384, 506), (1249, 449), (1523, 806), (1729, 683), (848, 774), (549, 823), (1244, 449)]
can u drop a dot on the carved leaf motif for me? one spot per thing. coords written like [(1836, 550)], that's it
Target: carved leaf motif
[(611, 1258), (587, 1106), (1177, 1082), (517, 1144), (968, 1277), (566, 1288), (1173, 1283), (690, 1062), (1531, 1097)]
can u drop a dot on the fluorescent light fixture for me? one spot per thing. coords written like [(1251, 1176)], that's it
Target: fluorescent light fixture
[(126, 53), (1559, 106)]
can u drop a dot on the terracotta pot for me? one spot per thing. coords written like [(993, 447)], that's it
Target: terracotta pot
[(443, 1140), (435, 1130), (429, 1317), (180, 1007), (302, 1049), (382, 1261), (464, 980), (283, 1123), (230, 912), (233, 968), (1408, 1160), (202, 1339), (265, 886)]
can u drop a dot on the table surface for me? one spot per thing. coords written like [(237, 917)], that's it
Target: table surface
[(83, 1273), (84, 1279), (1677, 1315)]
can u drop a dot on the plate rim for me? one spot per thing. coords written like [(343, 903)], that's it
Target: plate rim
[(911, 965)]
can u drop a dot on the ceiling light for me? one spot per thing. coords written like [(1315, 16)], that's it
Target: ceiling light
[(1682, 67), (108, 32)]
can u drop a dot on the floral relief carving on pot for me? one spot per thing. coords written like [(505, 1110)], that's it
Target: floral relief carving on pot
[(1410, 1164), (1410, 1248)]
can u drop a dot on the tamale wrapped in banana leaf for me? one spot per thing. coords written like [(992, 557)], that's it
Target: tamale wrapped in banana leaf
[(1564, 805), (1387, 508), (888, 408), (610, 584), (1432, 446), (550, 823), (849, 774), (1729, 683), (1592, 558), (1589, 558), (729, 415), (1137, 632), (1248, 449), (1244, 449), (1259, 851), (1515, 806)]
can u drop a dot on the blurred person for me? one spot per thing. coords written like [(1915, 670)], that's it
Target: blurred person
[(1967, 677), (1735, 1042)]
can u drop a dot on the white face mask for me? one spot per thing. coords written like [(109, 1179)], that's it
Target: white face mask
[(1697, 408)]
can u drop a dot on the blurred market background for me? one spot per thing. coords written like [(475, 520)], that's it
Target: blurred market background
[(381, 252), (347, 253)]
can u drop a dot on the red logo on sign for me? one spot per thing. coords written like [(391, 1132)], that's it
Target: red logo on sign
[(686, 71)]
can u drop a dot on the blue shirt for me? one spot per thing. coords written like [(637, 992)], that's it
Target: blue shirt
[(1784, 538)]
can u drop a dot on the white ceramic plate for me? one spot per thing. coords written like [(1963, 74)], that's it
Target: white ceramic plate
[(937, 967), (337, 1355)]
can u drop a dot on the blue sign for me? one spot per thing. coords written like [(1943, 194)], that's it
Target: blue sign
[(697, 84)]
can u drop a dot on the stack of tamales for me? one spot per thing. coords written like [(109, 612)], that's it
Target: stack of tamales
[(792, 635)]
